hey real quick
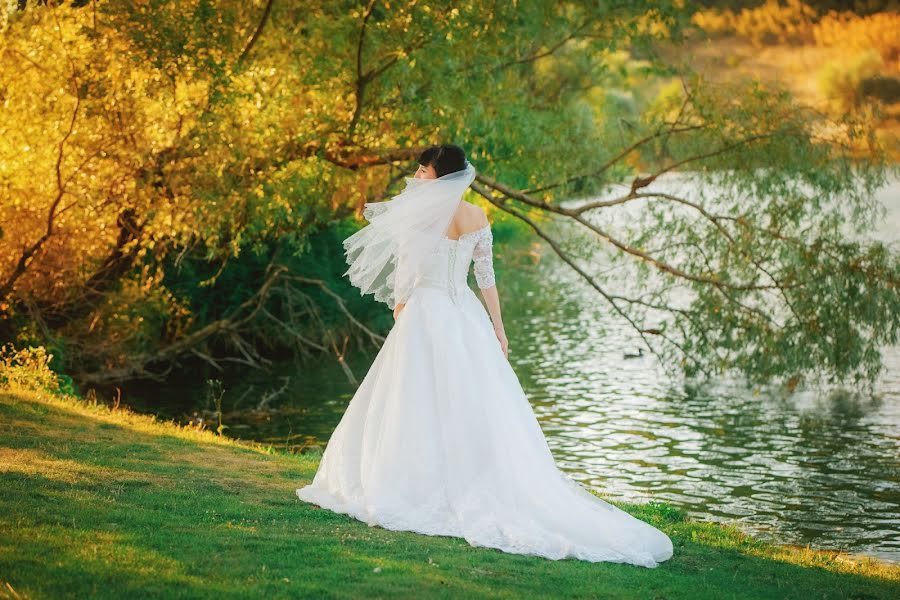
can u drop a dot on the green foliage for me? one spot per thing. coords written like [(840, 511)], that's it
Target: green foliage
[(220, 149), (212, 291), (757, 225), (27, 368), (231, 157)]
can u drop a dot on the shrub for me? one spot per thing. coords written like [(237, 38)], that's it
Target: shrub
[(28, 368), (880, 32), (772, 22), (798, 23)]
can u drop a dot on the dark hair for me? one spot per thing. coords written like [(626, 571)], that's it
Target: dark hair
[(445, 158)]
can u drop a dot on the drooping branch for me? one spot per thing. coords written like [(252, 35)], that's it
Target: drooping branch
[(277, 282), (643, 332), (364, 78), (138, 364), (376, 339), (743, 330), (536, 54), (578, 217)]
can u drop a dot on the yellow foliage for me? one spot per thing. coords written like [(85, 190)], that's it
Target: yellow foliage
[(796, 22), (771, 22), (90, 128), (880, 31), (26, 368)]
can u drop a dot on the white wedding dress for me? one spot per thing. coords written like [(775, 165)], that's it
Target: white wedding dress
[(440, 438)]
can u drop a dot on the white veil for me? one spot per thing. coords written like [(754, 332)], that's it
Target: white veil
[(385, 255)]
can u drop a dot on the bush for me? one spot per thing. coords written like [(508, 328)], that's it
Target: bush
[(797, 23), (28, 368), (773, 22), (852, 32)]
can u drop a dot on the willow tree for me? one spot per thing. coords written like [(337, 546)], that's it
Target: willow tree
[(135, 134)]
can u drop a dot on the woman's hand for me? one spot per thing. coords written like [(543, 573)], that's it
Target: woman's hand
[(492, 301), (501, 337), (397, 310)]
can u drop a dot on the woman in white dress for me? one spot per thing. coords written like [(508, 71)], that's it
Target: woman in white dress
[(440, 438)]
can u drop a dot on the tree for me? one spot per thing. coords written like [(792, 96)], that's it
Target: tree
[(756, 260), (137, 135)]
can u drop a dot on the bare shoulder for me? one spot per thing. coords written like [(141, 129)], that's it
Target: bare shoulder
[(473, 215), (468, 218)]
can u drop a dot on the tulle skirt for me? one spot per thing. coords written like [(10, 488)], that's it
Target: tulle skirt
[(440, 439)]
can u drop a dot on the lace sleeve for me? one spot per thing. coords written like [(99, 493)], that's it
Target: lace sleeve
[(483, 258)]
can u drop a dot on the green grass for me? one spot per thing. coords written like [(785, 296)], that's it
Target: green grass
[(97, 502)]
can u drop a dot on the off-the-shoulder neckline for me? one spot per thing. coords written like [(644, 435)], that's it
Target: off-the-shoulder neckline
[(480, 229)]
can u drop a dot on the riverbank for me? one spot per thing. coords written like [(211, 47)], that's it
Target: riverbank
[(110, 503), (822, 60)]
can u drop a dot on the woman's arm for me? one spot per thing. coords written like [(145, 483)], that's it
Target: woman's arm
[(492, 301), (483, 256), (398, 308)]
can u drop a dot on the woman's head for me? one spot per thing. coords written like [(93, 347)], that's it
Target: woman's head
[(437, 161)]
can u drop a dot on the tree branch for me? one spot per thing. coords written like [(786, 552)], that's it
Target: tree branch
[(590, 280), (256, 33)]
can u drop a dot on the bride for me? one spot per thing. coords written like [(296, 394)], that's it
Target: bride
[(440, 438)]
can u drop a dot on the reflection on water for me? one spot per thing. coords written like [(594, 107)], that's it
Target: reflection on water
[(802, 469)]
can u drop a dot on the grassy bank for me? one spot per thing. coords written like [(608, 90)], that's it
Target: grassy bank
[(96, 502)]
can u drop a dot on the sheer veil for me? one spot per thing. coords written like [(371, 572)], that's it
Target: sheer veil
[(385, 255)]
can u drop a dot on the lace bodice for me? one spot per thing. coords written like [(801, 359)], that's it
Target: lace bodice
[(448, 266)]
